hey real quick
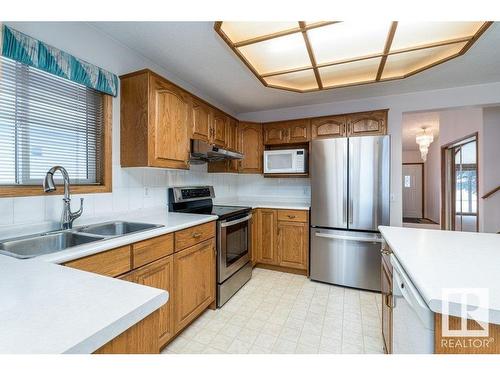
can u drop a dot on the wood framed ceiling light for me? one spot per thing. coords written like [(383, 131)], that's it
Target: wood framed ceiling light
[(311, 56)]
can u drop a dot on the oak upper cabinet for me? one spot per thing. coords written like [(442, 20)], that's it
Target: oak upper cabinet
[(275, 133), (293, 242), (194, 282), (367, 123), (329, 127), (220, 123), (249, 137), (267, 236), (299, 131), (202, 121), (287, 132), (231, 135), (159, 274), (155, 122)]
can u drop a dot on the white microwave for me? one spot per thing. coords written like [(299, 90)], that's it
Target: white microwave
[(285, 161)]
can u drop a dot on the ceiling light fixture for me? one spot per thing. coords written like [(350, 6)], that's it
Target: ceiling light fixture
[(424, 140), (310, 56)]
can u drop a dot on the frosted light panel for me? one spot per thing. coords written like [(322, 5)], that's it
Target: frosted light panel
[(303, 80), (399, 64), (412, 34), (345, 53), (353, 72), (240, 31), (277, 54), (348, 40)]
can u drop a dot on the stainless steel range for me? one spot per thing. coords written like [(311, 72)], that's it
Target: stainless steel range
[(233, 235)]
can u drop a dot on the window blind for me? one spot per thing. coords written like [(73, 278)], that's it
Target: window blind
[(46, 120)]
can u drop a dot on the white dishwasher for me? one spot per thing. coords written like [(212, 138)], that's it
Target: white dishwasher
[(413, 321)]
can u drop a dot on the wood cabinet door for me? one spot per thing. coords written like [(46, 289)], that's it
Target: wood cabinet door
[(386, 295), (159, 274), (220, 122), (250, 144), (202, 118), (329, 127), (293, 241), (194, 282), (367, 123), (299, 131), (267, 236), (171, 123), (255, 243), (275, 133)]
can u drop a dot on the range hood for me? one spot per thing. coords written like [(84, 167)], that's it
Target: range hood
[(203, 152)]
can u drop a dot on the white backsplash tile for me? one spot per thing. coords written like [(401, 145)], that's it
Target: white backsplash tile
[(6, 211), (129, 193), (29, 210)]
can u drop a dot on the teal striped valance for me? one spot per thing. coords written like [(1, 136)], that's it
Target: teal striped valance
[(30, 51)]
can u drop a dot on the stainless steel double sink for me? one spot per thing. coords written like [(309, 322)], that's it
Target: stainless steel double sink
[(50, 242)]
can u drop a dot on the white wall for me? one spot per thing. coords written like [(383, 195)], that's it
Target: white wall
[(475, 95), (411, 157), (491, 166), (432, 171)]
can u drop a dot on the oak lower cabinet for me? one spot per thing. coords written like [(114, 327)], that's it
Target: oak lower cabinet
[(283, 239), (159, 274), (293, 242), (387, 298), (194, 282), (267, 236)]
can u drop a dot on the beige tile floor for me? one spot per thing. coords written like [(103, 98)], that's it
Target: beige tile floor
[(278, 312)]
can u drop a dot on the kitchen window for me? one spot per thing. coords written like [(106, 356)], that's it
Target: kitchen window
[(46, 120)]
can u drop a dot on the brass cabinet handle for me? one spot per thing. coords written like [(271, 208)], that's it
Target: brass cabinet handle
[(196, 235), (388, 301), (292, 216)]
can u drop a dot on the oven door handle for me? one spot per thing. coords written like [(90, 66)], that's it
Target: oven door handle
[(234, 222)]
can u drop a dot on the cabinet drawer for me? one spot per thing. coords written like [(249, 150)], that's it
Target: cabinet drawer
[(147, 251), (191, 236), (292, 215), (109, 263)]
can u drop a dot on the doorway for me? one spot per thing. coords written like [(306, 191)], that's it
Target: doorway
[(413, 191), (460, 185)]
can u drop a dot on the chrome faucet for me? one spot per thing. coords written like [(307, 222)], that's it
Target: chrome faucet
[(67, 216)]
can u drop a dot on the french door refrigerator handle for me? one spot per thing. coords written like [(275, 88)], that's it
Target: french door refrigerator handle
[(348, 238), (344, 199)]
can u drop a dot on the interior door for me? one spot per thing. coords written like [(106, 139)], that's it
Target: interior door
[(413, 175), (329, 183), (369, 182)]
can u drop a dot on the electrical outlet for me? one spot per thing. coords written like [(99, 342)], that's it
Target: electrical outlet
[(146, 192)]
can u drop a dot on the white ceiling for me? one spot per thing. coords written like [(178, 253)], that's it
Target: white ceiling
[(413, 124), (195, 53)]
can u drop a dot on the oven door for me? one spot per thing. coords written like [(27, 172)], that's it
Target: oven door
[(232, 246)]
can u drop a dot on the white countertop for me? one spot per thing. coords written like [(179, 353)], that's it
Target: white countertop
[(172, 222), (435, 259), (48, 308), (265, 203)]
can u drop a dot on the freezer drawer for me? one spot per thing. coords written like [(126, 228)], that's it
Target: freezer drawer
[(346, 258)]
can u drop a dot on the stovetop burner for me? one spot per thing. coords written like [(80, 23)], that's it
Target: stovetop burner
[(198, 200)]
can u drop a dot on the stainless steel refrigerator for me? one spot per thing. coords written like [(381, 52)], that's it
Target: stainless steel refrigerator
[(350, 180)]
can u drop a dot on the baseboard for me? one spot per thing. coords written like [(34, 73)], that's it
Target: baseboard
[(281, 269)]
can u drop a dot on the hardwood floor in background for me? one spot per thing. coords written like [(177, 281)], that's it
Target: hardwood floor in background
[(283, 313)]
